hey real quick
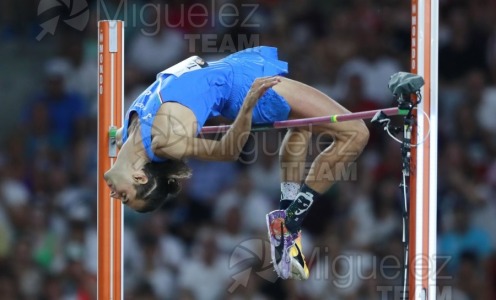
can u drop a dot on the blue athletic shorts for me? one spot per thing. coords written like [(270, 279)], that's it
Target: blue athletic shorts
[(247, 66), (220, 88)]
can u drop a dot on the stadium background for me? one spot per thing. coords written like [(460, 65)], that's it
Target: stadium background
[(199, 247)]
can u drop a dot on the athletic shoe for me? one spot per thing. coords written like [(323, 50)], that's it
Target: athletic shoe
[(299, 269), (281, 243)]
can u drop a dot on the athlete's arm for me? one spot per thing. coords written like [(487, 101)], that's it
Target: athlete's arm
[(228, 148)]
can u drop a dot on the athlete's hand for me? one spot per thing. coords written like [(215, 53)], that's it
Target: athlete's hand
[(258, 88)]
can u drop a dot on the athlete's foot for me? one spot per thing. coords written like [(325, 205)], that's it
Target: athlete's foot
[(287, 258)]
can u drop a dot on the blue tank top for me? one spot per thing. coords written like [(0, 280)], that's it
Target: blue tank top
[(210, 89)]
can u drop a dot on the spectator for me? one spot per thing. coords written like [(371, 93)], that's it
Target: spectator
[(373, 66), (81, 69), (147, 51), (261, 157), (463, 237), (211, 179), (80, 241), (16, 199), (385, 211), (243, 199), (27, 273), (204, 276), (46, 243), (144, 291), (154, 270), (466, 45), (469, 276), (51, 287), (66, 110), (9, 284)]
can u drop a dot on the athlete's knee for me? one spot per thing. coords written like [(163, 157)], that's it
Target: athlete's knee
[(363, 135), (362, 130), (355, 137)]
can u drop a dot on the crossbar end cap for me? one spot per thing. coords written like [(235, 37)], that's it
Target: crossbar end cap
[(113, 132)]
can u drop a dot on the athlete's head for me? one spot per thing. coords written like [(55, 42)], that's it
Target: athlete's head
[(147, 189)]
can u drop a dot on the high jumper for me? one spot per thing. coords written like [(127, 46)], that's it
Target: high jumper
[(162, 126)]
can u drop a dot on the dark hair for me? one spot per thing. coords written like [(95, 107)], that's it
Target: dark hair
[(163, 183)]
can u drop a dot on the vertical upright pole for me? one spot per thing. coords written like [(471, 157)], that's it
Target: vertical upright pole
[(432, 147), (110, 116), (412, 280), (423, 182)]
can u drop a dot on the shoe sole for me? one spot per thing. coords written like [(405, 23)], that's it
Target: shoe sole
[(299, 273), (287, 267)]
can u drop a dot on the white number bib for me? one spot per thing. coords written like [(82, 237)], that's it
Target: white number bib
[(187, 65)]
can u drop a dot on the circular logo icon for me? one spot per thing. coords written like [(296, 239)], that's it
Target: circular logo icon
[(251, 257), (77, 17)]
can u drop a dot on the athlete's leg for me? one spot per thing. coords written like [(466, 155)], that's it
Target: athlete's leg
[(349, 137), (349, 140), (292, 157)]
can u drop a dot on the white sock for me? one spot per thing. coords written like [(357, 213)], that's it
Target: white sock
[(289, 190)]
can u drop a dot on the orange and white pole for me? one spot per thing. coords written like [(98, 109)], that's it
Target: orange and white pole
[(110, 117), (423, 181)]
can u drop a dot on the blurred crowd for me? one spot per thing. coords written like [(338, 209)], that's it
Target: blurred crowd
[(210, 243)]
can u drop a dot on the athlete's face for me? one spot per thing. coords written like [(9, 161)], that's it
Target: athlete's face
[(122, 187)]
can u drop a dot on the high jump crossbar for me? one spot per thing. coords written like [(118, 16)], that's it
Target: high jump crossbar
[(392, 111), (110, 116)]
